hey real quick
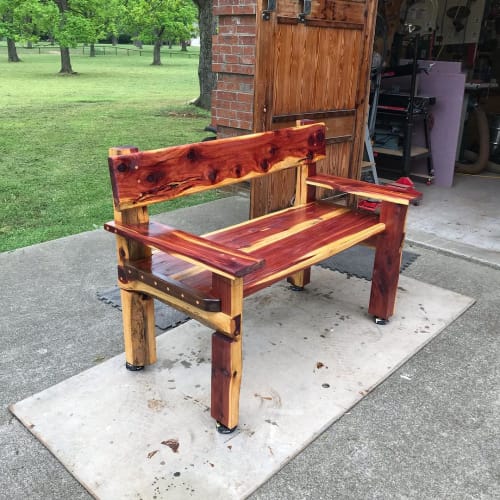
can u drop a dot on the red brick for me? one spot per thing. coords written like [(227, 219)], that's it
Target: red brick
[(246, 29), (226, 113), (227, 10), (246, 40), (241, 106), (247, 60), (220, 68), (230, 59), (228, 96), (241, 69)]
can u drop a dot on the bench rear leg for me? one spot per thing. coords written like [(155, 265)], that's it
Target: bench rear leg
[(226, 381), (387, 263), (300, 279), (138, 329)]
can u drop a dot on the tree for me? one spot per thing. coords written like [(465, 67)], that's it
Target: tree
[(207, 26), (79, 21), (7, 30), (16, 23), (161, 20)]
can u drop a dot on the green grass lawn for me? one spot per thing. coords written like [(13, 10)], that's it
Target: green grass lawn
[(55, 132)]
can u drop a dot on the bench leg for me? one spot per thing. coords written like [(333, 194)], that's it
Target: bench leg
[(300, 279), (138, 329), (387, 261), (226, 381)]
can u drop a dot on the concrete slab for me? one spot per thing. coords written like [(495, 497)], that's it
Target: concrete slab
[(308, 357), (463, 220)]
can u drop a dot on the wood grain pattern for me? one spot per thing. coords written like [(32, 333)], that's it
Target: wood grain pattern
[(288, 241), (394, 194), (385, 276), (226, 379), (138, 328), (364, 62), (216, 320), (208, 276), (317, 66), (332, 10), (142, 271), (215, 257), (153, 176), (137, 309)]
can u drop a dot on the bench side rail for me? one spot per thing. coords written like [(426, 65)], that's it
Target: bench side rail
[(221, 259), (143, 178), (393, 194)]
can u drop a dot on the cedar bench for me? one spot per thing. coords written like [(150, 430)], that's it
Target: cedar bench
[(207, 277)]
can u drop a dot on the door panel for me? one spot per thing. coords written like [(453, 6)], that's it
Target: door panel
[(317, 69)]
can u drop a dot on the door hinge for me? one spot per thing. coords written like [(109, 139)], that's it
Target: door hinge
[(306, 11), (271, 6)]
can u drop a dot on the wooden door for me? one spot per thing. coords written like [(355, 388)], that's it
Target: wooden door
[(313, 61)]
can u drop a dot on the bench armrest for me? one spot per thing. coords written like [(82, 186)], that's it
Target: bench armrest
[(195, 249), (395, 194)]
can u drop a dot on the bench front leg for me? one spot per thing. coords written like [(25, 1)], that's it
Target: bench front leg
[(227, 356), (387, 263), (138, 329), (226, 381)]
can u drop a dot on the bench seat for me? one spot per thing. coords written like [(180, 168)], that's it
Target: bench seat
[(280, 244)]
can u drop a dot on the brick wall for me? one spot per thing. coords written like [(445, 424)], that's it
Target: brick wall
[(233, 59)]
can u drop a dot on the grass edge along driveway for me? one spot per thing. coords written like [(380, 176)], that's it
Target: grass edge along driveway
[(55, 132)]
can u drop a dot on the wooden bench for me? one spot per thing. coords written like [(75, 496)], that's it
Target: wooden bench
[(207, 277)]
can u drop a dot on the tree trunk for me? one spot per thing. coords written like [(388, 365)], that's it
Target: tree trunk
[(66, 68), (92, 50), (157, 53), (206, 77), (114, 40), (12, 51), (138, 44), (184, 46)]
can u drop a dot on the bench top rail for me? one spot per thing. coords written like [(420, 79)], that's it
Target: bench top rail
[(143, 178)]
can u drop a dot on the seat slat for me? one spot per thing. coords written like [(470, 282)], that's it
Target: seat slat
[(287, 240)]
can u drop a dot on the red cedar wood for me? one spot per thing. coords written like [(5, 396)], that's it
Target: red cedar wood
[(137, 310), (387, 262), (289, 242), (152, 176)]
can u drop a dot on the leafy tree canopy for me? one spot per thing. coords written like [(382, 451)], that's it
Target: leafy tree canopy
[(22, 19), (161, 20)]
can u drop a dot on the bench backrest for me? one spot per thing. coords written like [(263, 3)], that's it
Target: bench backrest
[(146, 177)]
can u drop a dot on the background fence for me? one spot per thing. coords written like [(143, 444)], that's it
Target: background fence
[(105, 50)]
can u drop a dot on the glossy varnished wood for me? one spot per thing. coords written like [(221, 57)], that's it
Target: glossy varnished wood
[(207, 277), (287, 241), (225, 260), (147, 177), (137, 309), (142, 271), (386, 267), (226, 379), (394, 194)]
